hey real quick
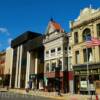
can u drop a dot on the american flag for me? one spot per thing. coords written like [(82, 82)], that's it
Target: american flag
[(92, 41)]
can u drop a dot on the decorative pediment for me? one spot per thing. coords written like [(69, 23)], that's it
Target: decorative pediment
[(86, 13), (53, 27)]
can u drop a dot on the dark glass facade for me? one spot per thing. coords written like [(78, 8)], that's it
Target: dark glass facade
[(14, 68), (23, 66)]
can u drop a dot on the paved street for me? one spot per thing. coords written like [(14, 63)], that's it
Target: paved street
[(14, 96)]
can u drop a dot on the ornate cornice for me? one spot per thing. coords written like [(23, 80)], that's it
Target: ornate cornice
[(85, 22)]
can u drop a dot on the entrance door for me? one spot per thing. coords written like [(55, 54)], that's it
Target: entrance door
[(76, 84)]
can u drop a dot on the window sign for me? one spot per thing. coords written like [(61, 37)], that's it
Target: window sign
[(83, 84)]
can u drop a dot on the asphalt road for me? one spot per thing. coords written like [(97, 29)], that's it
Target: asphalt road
[(14, 96)]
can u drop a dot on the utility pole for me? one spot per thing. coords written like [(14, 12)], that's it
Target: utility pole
[(88, 72)]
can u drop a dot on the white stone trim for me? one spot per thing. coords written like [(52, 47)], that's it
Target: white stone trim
[(20, 60), (16, 76), (27, 69)]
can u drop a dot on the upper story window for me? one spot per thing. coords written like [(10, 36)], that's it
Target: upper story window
[(47, 53), (98, 29), (53, 65), (69, 50), (89, 55), (65, 48), (86, 34), (77, 57), (53, 51), (59, 49), (47, 67), (76, 37), (59, 64)]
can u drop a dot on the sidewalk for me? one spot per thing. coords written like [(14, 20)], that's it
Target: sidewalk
[(3, 90), (54, 95), (38, 93)]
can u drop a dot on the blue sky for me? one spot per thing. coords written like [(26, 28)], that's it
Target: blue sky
[(18, 16)]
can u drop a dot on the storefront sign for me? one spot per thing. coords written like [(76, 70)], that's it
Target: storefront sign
[(84, 72)]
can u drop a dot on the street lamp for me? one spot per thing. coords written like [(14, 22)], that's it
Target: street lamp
[(87, 71)]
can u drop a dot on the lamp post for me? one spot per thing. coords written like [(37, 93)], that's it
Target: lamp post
[(87, 71)]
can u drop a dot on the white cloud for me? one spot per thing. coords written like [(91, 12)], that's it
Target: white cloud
[(4, 30), (9, 41)]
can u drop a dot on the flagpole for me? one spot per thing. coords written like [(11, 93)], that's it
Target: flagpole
[(87, 72)]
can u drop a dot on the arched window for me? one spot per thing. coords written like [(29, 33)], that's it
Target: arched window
[(47, 67), (53, 65), (86, 34)]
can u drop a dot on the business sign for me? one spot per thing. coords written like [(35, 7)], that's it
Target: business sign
[(83, 84)]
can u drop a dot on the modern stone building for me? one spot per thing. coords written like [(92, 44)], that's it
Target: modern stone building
[(55, 57), (86, 25), (27, 64)]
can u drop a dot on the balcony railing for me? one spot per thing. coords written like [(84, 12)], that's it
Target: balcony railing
[(53, 54)]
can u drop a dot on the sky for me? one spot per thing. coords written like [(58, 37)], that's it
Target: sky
[(18, 16)]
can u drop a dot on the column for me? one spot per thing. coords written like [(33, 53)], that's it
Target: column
[(96, 54), (63, 60), (11, 67), (27, 69), (36, 64), (19, 70), (50, 66), (17, 62), (36, 70)]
